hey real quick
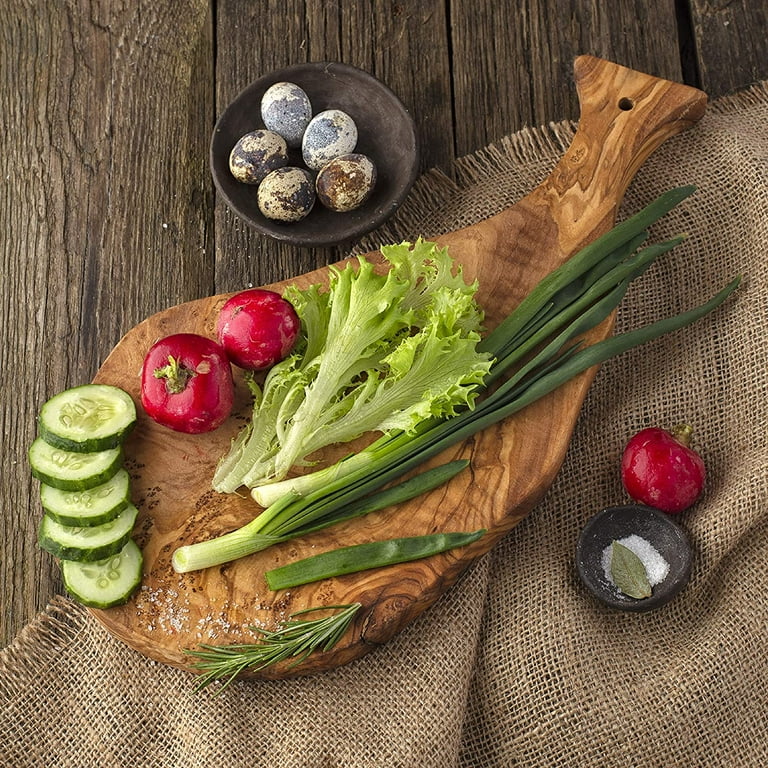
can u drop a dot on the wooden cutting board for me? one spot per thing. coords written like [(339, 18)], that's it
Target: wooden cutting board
[(625, 115)]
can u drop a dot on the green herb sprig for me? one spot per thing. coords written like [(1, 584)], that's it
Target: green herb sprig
[(294, 639)]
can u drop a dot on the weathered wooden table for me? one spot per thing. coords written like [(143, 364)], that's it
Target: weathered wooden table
[(108, 209)]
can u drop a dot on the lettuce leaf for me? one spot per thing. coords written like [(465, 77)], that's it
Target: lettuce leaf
[(381, 351)]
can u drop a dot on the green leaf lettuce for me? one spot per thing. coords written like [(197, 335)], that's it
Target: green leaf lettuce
[(381, 350)]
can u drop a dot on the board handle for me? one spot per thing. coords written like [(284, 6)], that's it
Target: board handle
[(625, 116)]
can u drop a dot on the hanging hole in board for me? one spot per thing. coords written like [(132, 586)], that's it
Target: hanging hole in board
[(626, 104)]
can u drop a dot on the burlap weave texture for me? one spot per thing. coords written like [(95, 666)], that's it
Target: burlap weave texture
[(517, 665)]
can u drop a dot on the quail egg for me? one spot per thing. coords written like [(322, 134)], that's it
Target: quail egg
[(329, 134), (346, 182), (256, 154), (286, 194), (286, 109)]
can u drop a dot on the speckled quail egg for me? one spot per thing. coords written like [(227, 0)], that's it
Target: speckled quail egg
[(256, 154), (286, 109), (329, 134), (346, 182), (286, 194)]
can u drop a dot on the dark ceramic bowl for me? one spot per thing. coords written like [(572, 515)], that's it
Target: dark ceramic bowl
[(386, 133), (658, 529)]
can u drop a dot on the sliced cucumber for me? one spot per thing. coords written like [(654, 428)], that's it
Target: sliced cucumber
[(70, 470), (93, 506), (88, 418), (87, 544), (105, 583)]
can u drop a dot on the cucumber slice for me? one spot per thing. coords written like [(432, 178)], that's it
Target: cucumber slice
[(70, 470), (88, 418), (108, 582), (87, 544), (92, 506)]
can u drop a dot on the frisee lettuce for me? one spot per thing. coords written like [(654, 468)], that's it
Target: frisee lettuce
[(381, 351)]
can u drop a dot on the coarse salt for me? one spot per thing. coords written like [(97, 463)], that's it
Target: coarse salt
[(656, 567)]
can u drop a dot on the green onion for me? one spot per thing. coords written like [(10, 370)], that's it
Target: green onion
[(579, 264), (401, 453), (248, 539), (363, 557), (544, 331)]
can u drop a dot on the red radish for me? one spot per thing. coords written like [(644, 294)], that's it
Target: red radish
[(257, 328), (186, 383), (660, 469)]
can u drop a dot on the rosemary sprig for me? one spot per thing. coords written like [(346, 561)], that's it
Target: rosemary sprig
[(294, 639)]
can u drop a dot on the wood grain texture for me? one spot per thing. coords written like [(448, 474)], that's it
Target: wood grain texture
[(731, 48), (106, 109), (528, 48), (105, 218), (625, 115)]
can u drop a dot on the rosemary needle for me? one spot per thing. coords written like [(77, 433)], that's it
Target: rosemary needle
[(294, 639)]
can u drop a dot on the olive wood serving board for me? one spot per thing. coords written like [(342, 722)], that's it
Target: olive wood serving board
[(625, 115)]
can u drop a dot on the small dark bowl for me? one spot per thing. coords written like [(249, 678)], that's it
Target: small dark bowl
[(658, 529), (386, 133)]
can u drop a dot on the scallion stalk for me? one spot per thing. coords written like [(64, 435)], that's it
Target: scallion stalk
[(250, 538), (544, 330)]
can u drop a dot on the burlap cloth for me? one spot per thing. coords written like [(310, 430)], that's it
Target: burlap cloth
[(517, 665)]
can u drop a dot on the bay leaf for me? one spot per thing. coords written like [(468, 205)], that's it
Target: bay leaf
[(628, 572)]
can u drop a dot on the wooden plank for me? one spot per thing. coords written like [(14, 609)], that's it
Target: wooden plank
[(380, 38), (730, 43), (106, 216), (513, 59), (389, 34)]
